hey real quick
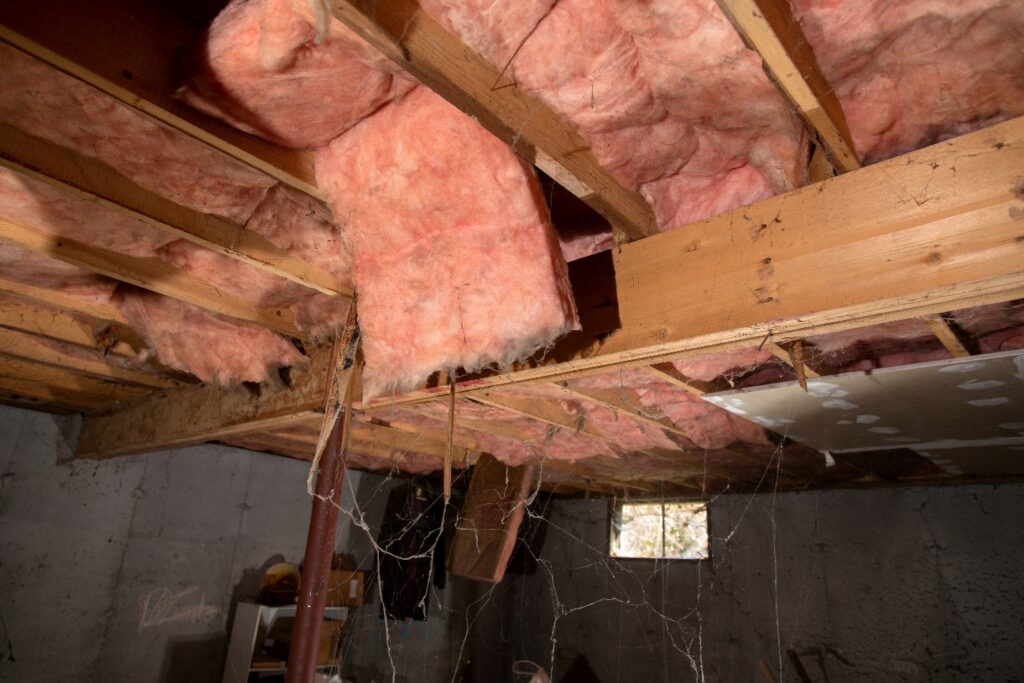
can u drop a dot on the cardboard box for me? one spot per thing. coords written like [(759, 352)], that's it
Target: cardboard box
[(345, 589)]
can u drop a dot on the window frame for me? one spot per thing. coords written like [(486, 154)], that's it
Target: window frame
[(615, 524)]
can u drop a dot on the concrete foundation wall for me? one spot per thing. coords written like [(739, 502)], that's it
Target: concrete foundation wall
[(127, 569), (891, 584)]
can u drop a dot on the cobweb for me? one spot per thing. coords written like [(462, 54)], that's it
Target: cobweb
[(577, 611)]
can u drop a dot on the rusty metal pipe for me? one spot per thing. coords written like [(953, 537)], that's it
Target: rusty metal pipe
[(316, 565)]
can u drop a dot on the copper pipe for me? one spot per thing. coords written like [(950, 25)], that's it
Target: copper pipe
[(316, 565)]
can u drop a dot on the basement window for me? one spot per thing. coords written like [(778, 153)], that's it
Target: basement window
[(673, 531)]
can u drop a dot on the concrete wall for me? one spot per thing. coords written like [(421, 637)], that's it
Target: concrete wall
[(882, 585), (582, 616), (127, 569)]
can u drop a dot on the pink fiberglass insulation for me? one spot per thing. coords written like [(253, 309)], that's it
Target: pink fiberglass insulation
[(31, 268), (193, 340), (287, 71), (712, 366), (914, 72), (670, 100), (303, 226), (703, 423), (626, 434), (454, 257), (53, 106), (885, 345)]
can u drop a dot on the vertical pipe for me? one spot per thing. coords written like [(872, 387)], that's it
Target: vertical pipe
[(316, 565)]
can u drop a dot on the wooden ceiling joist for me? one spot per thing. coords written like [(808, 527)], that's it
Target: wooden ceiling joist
[(946, 335), (49, 323), (413, 40), (930, 231), (770, 28), (545, 410), (27, 347), (76, 384), (148, 273), (38, 395), (94, 181), (131, 55), (55, 298), (188, 415)]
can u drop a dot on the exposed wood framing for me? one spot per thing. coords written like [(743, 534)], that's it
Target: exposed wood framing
[(148, 273), (193, 414), (546, 411), (942, 330), (65, 302), (131, 55), (51, 324), (421, 46), (933, 230), (94, 181), (99, 391), (27, 347), (770, 28)]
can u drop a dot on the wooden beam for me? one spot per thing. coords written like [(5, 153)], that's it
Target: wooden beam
[(130, 53), (942, 330), (934, 230), (489, 520), (666, 372), (148, 273), (66, 302), (544, 410), (46, 322), (193, 414), (769, 27), (103, 391), (33, 392), (625, 402), (417, 43), (26, 347), (93, 181), (29, 403)]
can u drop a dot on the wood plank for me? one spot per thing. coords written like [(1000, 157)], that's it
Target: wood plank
[(192, 414), (942, 330), (94, 181), (489, 520), (421, 46), (786, 355), (546, 411), (103, 391), (666, 372), (148, 273), (769, 27), (46, 322), (26, 347), (625, 402), (59, 325), (66, 302), (29, 403), (934, 230), (27, 393), (130, 53)]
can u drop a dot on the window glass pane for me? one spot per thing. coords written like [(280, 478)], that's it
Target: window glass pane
[(686, 531), (657, 530)]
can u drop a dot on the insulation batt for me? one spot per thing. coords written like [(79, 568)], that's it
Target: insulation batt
[(454, 257), (664, 91), (53, 106), (284, 70), (193, 340), (912, 72)]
